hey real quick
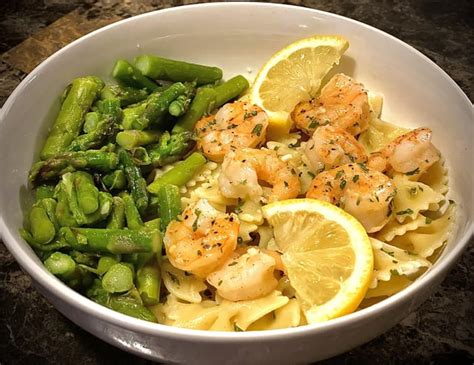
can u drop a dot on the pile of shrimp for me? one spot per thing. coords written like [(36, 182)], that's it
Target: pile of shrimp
[(205, 241)]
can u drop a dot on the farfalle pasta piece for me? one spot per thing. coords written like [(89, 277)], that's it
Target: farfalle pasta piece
[(394, 228), (250, 217), (390, 260), (379, 134), (208, 190), (386, 288), (284, 317), (296, 158), (436, 177), (413, 197), (425, 240), (182, 285), (223, 316)]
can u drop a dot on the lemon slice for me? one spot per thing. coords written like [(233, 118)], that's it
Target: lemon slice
[(326, 253), (294, 74)]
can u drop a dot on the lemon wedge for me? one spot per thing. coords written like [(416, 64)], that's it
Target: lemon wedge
[(294, 74), (326, 253)]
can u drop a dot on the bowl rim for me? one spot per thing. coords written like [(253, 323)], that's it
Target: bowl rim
[(88, 307)]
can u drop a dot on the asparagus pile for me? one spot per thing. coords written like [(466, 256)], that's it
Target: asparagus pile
[(95, 223)]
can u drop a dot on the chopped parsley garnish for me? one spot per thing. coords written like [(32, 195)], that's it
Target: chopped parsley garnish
[(238, 207), (286, 184), (195, 223), (413, 191), (405, 212), (257, 129), (363, 167), (233, 263), (311, 174), (173, 278), (339, 174), (342, 185), (355, 178), (314, 123), (394, 272), (413, 172), (388, 252), (428, 220)]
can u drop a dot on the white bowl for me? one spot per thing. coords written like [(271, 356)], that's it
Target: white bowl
[(238, 37)]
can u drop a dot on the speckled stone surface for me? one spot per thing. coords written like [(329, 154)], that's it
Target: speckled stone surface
[(440, 331)]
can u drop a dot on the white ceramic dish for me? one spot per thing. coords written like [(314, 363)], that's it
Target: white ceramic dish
[(238, 37)]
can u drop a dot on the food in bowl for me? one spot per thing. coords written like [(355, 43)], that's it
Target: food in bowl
[(177, 198)]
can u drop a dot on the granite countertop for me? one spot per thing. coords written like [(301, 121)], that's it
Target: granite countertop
[(33, 332)]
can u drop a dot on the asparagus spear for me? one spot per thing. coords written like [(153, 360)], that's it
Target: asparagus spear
[(106, 127), (115, 180), (160, 68), (129, 304), (140, 156), (61, 265), (87, 193), (148, 283), (44, 191), (116, 241), (91, 121), (207, 99), (70, 161), (202, 104), (131, 139), (230, 90), (104, 264), (71, 116), (65, 268), (136, 182), (117, 217), (42, 229), (74, 203), (127, 74), (157, 106), (53, 246), (170, 204), (132, 215), (63, 214), (180, 174), (170, 148), (126, 95), (181, 105), (118, 279), (131, 114)]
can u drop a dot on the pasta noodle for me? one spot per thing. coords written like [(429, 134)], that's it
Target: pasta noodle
[(394, 228), (379, 134), (436, 177), (286, 316), (425, 240), (182, 285), (387, 288), (390, 260), (413, 197), (223, 316)]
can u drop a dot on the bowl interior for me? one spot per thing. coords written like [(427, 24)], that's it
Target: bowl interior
[(239, 38)]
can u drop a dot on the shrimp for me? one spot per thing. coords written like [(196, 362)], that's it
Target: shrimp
[(411, 153), (235, 125), (330, 147), (342, 102), (246, 277), (202, 240), (243, 169), (362, 192)]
